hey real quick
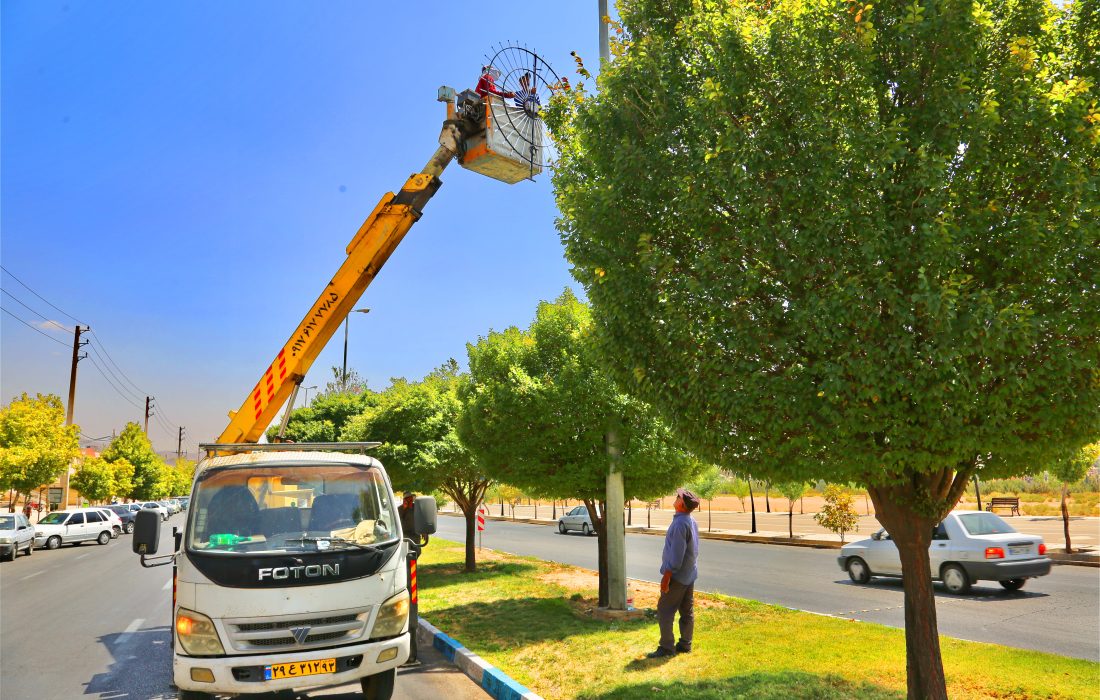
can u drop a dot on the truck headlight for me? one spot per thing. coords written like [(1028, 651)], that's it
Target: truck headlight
[(197, 634), (392, 616)]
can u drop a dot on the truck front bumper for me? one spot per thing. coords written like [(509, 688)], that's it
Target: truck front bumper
[(245, 673)]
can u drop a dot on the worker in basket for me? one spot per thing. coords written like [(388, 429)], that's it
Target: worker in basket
[(487, 83)]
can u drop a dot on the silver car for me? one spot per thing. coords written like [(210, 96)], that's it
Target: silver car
[(576, 519), (16, 533), (967, 547)]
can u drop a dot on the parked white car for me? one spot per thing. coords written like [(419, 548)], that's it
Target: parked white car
[(112, 517), (158, 507), (576, 519), (72, 527), (16, 533), (967, 547)]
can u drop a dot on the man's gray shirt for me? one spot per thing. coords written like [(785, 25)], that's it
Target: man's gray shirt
[(681, 549)]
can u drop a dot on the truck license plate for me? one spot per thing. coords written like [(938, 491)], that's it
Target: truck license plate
[(294, 669)]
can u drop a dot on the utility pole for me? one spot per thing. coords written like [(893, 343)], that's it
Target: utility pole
[(77, 357), (179, 446), (148, 412), (615, 527)]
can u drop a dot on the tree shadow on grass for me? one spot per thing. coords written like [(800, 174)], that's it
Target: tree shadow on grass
[(783, 685), (436, 576), (512, 623)]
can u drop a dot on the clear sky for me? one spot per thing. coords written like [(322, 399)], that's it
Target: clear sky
[(184, 177)]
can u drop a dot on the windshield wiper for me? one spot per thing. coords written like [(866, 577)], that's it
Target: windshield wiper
[(332, 541)]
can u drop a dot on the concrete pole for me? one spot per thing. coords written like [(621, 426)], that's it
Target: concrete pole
[(77, 357), (616, 528)]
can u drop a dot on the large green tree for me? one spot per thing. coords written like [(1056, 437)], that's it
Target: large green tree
[(849, 241), (133, 445), (36, 447), (1070, 470), (326, 416), (538, 408), (417, 426), (94, 479)]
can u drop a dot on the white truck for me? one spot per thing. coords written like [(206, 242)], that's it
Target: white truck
[(290, 572)]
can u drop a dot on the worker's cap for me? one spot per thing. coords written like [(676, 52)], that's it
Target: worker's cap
[(409, 494), (691, 501)]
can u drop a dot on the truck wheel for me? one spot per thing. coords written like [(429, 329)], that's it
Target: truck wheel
[(1013, 584), (53, 543), (379, 686), (104, 537), (955, 579), (194, 695)]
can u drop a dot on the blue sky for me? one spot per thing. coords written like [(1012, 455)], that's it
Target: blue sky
[(184, 176)]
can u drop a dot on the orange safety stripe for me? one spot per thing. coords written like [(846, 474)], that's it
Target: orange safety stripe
[(412, 580)]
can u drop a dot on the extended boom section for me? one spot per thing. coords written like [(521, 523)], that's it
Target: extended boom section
[(367, 253)]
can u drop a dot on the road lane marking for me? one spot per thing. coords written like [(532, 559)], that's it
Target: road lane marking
[(30, 575), (88, 554), (129, 631)]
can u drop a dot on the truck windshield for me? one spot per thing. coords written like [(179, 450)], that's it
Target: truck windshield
[(291, 508)]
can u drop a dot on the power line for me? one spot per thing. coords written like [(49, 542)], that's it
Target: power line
[(113, 375), (36, 330), (111, 359), (124, 397), (40, 296), (47, 320)]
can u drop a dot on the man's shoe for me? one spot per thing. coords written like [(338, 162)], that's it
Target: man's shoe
[(660, 653), (681, 649)]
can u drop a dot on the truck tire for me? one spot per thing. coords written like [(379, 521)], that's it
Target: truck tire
[(379, 686), (194, 695)]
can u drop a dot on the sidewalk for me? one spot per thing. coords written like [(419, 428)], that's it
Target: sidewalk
[(772, 528)]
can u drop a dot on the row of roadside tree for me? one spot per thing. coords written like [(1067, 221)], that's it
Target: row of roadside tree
[(36, 449)]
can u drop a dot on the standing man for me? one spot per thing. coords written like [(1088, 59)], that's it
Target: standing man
[(678, 574)]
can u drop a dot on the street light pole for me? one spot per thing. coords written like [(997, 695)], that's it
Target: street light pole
[(305, 402), (344, 371)]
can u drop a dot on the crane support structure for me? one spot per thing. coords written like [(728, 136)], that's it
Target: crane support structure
[(367, 253)]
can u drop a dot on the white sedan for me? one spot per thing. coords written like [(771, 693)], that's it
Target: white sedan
[(576, 519), (967, 547)]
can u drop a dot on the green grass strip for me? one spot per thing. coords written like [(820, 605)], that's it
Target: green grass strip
[(521, 615)]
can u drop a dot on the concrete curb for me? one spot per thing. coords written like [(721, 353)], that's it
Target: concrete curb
[(489, 677), (1092, 560)]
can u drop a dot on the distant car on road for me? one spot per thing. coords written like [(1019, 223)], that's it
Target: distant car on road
[(126, 514), (72, 527), (172, 506), (16, 533), (576, 519), (967, 547)]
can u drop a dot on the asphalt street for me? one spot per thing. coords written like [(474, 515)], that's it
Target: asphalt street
[(89, 621), (1058, 613)]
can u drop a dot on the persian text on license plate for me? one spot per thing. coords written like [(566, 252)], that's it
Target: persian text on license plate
[(1019, 550), (294, 669)]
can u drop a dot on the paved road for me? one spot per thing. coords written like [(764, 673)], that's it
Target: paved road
[(89, 621), (1059, 613)]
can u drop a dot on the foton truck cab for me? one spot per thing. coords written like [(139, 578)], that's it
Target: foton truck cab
[(290, 572)]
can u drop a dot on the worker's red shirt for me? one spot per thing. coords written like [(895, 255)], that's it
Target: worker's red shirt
[(486, 84)]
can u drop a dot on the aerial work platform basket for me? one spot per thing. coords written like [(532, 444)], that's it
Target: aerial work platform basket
[(510, 148)]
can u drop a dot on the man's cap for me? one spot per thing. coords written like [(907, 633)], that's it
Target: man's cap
[(691, 501)]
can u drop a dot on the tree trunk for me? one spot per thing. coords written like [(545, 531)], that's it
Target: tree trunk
[(1065, 519), (912, 534), (790, 522), (471, 537), (752, 502), (502, 507), (536, 510), (630, 512), (977, 492), (595, 514), (767, 501), (710, 513)]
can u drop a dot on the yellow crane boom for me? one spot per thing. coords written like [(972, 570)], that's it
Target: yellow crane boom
[(367, 253)]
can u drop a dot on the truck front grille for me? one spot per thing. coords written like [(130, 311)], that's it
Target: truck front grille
[(298, 633)]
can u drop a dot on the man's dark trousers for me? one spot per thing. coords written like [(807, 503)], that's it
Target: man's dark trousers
[(680, 598)]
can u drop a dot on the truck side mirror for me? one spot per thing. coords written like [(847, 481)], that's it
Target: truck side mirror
[(424, 515), (146, 532)]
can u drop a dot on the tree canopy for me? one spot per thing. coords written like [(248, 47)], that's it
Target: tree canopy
[(133, 445), (36, 447), (848, 241)]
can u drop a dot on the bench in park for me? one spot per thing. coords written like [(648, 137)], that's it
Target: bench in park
[(1005, 502)]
